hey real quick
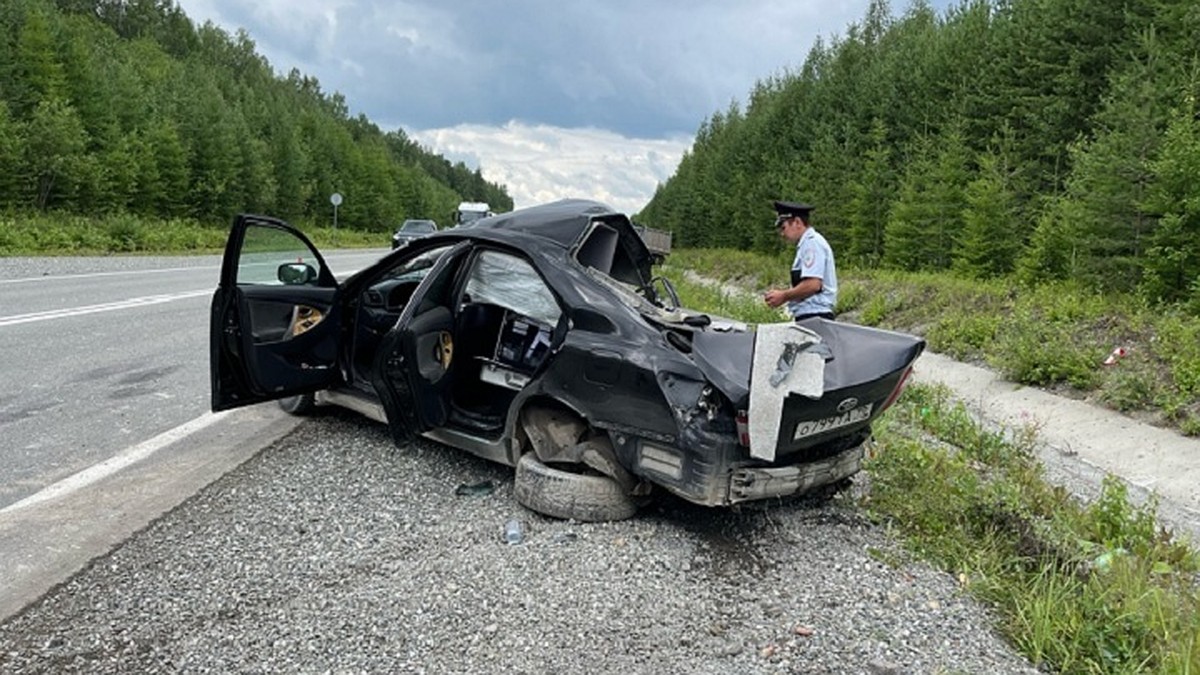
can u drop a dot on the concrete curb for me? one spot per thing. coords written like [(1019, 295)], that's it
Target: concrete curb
[(45, 543)]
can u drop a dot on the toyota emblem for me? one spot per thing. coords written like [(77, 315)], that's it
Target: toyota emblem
[(847, 405)]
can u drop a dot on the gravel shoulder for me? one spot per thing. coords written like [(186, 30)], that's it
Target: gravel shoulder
[(335, 551)]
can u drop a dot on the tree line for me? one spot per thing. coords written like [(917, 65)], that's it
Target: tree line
[(126, 106), (1032, 139)]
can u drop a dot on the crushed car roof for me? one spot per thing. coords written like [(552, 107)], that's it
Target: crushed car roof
[(564, 221), (567, 223)]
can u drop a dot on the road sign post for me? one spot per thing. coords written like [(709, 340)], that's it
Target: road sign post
[(336, 200)]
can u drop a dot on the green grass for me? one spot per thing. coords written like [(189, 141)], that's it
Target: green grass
[(59, 235), (1081, 588), (1078, 587)]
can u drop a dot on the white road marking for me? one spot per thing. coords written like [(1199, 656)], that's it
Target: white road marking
[(112, 465), (87, 275), (117, 273), (92, 309)]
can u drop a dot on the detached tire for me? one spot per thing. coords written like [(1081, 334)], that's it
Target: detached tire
[(301, 405), (562, 494)]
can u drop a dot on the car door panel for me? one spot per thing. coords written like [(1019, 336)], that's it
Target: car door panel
[(287, 345), (427, 345), (274, 319)]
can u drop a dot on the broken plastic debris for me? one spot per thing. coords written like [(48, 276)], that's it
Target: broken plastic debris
[(1104, 561), (479, 489), (783, 367), (1116, 355)]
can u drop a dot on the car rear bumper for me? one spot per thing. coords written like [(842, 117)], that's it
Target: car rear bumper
[(751, 483), (728, 476)]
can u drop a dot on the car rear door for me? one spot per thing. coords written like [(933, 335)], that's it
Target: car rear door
[(414, 368), (275, 319)]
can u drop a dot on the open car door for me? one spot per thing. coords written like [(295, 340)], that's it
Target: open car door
[(414, 369), (274, 329)]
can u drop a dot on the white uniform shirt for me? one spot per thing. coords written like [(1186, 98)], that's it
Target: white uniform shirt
[(814, 258)]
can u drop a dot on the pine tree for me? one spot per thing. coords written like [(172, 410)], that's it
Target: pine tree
[(1101, 212), (40, 75), (1053, 251), (871, 198), (291, 162), (990, 238), (1172, 266), (55, 146), (169, 184), (12, 152), (925, 222)]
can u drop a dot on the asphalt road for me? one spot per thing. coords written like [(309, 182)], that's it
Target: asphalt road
[(101, 355), (104, 406)]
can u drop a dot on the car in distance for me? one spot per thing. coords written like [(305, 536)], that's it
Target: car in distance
[(540, 339), (412, 229)]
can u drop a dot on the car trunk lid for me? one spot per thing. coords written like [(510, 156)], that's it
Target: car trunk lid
[(804, 385)]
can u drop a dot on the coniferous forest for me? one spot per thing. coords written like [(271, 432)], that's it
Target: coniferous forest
[(127, 107), (1028, 139)]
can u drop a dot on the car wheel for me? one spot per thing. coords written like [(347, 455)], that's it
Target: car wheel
[(298, 405), (563, 494)]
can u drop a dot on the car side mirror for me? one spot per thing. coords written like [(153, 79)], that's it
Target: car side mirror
[(297, 274)]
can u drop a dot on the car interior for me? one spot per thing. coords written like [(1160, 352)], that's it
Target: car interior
[(503, 331), (503, 318), (503, 322), (601, 251)]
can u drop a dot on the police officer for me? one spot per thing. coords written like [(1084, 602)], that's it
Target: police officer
[(814, 277)]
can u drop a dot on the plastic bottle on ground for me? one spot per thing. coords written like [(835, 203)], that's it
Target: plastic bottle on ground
[(514, 532)]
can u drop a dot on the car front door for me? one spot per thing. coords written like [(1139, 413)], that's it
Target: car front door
[(275, 321)]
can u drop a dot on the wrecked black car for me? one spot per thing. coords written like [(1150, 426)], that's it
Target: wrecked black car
[(542, 340)]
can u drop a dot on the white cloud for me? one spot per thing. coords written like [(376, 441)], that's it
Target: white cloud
[(540, 163), (453, 73), (643, 68)]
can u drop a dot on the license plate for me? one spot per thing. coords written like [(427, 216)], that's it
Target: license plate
[(814, 427)]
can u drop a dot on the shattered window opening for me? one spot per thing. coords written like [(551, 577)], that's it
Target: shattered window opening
[(512, 283)]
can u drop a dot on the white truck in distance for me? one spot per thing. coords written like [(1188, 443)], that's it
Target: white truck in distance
[(468, 212)]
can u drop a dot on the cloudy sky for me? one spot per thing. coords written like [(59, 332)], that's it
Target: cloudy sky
[(552, 98)]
